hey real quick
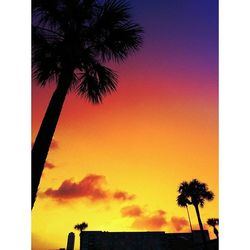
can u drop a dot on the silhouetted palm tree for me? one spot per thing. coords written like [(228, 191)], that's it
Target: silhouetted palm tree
[(81, 227), (213, 222), (195, 193), (71, 42), (182, 202)]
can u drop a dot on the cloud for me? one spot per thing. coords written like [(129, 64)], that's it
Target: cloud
[(54, 144), (123, 196), (49, 165), (131, 211), (155, 221), (178, 223), (143, 219), (92, 187)]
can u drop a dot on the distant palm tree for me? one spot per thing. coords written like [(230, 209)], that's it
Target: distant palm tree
[(71, 42), (213, 222), (182, 202), (81, 227), (195, 193)]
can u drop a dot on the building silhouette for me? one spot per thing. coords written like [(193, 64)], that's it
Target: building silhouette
[(98, 240), (71, 241)]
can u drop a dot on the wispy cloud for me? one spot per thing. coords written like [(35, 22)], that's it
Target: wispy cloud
[(153, 221), (131, 211), (145, 219), (123, 196), (178, 223)]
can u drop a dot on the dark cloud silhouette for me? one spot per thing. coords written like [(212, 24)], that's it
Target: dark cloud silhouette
[(92, 187), (49, 165), (123, 196), (178, 223), (131, 211)]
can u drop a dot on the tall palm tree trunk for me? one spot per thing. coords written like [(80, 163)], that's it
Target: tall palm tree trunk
[(189, 220), (190, 224), (45, 134), (201, 227)]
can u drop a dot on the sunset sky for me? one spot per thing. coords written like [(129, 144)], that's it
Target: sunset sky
[(117, 165)]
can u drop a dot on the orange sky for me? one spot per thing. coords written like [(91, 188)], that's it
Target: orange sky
[(142, 141)]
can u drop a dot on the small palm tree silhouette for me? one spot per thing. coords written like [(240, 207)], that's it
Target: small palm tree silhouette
[(195, 193), (71, 42), (81, 227), (213, 222)]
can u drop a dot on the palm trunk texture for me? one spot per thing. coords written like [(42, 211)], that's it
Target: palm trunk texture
[(190, 224), (45, 134), (201, 227)]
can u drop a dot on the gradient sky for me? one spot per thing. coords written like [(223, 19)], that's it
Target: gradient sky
[(130, 153)]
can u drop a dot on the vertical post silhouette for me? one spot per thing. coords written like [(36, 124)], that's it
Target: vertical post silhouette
[(71, 241), (190, 224)]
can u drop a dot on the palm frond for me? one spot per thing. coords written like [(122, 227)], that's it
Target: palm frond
[(213, 222), (114, 12), (182, 200), (195, 192), (47, 13), (183, 187), (209, 195), (44, 58), (78, 36), (82, 226), (97, 82), (115, 35), (121, 42)]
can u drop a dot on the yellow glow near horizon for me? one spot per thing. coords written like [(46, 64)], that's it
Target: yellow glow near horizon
[(146, 149)]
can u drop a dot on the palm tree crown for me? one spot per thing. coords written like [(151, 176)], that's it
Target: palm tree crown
[(77, 37), (72, 41), (193, 193), (213, 222), (81, 227)]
